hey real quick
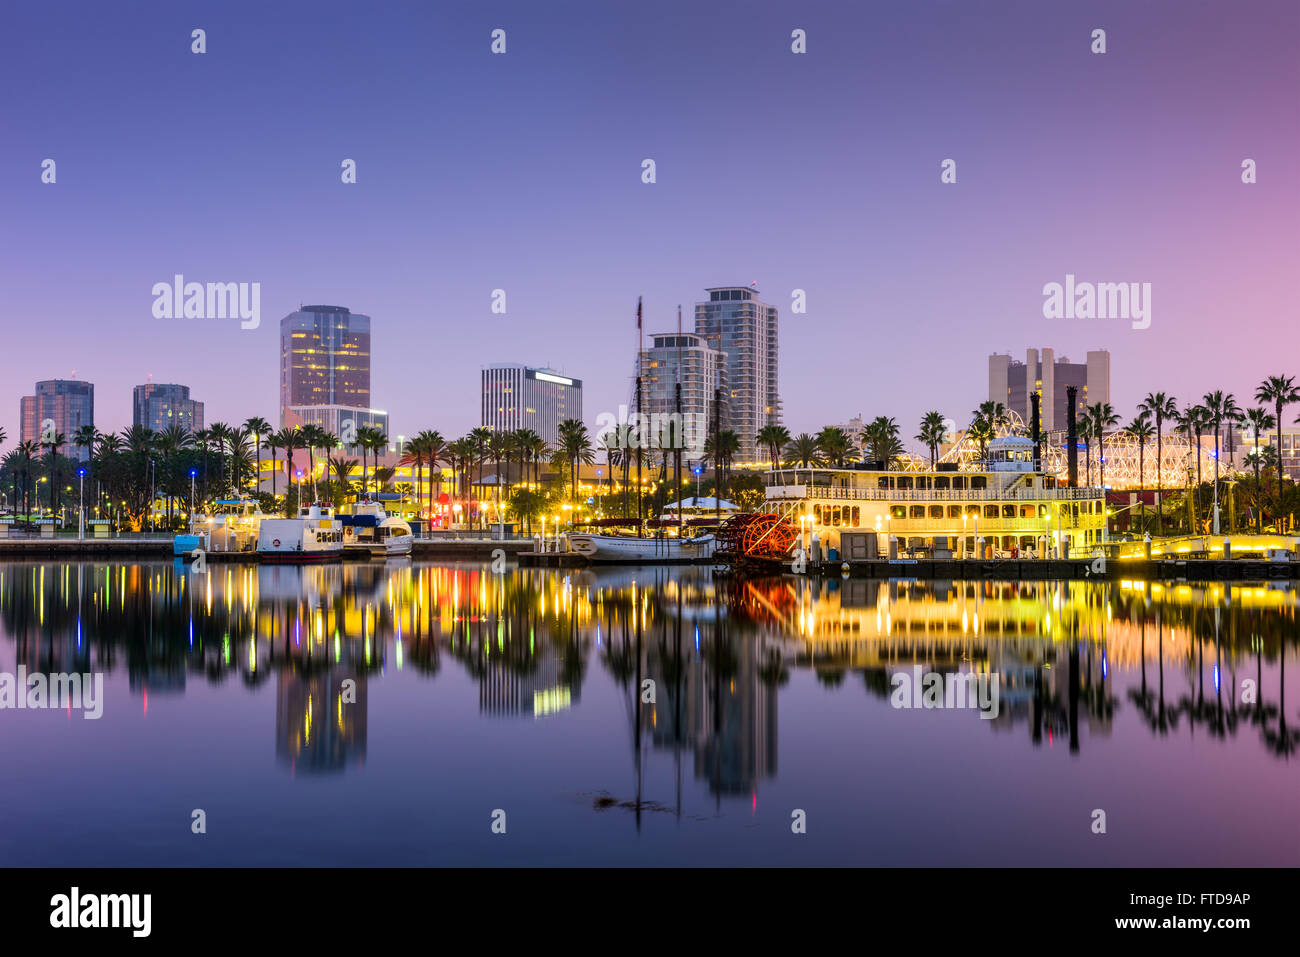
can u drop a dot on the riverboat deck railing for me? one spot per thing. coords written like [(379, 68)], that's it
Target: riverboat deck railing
[(835, 493)]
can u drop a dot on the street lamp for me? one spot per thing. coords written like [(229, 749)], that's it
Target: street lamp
[(81, 504), (193, 472)]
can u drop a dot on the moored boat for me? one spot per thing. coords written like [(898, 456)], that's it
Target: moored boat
[(371, 532), (314, 536), (1006, 507), (631, 549)]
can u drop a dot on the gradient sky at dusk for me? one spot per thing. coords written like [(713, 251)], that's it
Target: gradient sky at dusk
[(816, 171)]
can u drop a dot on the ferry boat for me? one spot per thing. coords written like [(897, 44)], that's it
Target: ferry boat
[(232, 527), (371, 532), (1004, 508), (314, 536)]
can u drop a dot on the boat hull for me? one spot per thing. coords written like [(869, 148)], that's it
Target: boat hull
[(630, 550), (300, 558)]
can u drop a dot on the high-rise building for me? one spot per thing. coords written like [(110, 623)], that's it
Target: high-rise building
[(1012, 382), (688, 359), (160, 405), (735, 322), (324, 358), (521, 397), (59, 406), (325, 372)]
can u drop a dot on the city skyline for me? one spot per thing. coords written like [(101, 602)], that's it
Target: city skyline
[(904, 275)]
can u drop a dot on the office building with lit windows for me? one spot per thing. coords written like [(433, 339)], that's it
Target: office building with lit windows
[(735, 322), (522, 397), (61, 406), (324, 358), (161, 405)]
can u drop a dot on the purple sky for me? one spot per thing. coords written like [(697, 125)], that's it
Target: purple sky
[(817, 171)]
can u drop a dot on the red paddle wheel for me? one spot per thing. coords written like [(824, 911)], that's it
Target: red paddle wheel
[(755, 537)]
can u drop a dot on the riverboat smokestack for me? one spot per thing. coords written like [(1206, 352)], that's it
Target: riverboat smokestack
[(1036, 431), (1072, 436)]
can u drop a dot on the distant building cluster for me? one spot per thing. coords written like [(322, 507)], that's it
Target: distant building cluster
[(732, 352), (1012, 382)]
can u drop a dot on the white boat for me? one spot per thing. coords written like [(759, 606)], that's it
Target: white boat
[(648, 550), (314, 536), (394, 536), (372, 532), (232, 527)]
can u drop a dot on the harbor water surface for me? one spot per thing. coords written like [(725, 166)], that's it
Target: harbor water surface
[(392, 714)]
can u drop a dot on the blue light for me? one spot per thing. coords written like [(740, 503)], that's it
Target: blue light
[(81, 471)]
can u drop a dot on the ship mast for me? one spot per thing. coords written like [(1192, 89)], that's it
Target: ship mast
[(640, 344)]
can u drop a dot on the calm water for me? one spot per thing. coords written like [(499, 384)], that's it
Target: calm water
[(231, 692)]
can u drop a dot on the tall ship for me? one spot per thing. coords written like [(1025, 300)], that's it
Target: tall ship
[(1002, 508)]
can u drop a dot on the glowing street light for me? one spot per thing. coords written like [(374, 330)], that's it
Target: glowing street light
[(81, 504)]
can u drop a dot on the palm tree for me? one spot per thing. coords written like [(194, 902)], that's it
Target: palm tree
[(170, 442), (1219, 407), (981, 432), (1191, 423), (28, 450), (882, 435), (275, 442), (424, 449), (221, 438), (203, 439), (1160, 406), (369, 439), (315, 437), (53, 443), (1264, 457), (1258, 421), (13, 465), (257, 427), (803, 448), (462, 453), (575, 447), (342, 468), (1141, 429), (107, 450), (288, 439), (382, 475), (932, 435), (499, 445), (1281, 391), (834, 445), (725, 456), (774, 438), (1103, 418), (84, 438)]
